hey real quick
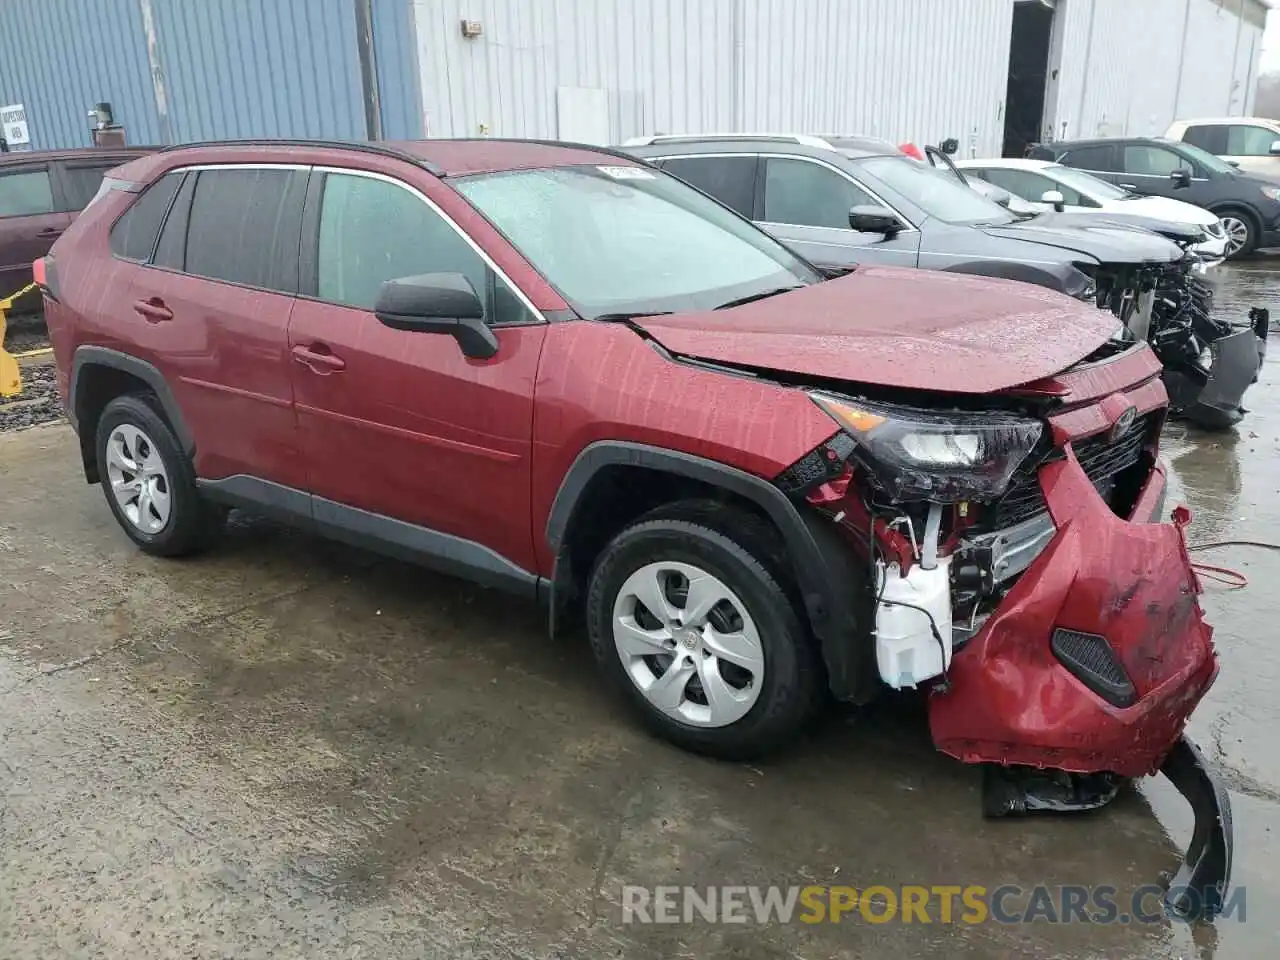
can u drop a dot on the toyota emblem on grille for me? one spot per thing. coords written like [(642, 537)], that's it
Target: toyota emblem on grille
[(1123, 423)]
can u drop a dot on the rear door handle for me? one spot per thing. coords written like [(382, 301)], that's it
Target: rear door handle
[(1128, 186), (50, 234), (152, 310), (319, 359)]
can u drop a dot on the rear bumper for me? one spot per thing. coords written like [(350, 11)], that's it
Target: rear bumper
[(1011, 700)]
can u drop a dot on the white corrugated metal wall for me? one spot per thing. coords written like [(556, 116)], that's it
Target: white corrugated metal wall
[(917, 70), (1134, 66), (906, 69)]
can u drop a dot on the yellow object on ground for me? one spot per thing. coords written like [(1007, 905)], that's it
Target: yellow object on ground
[(10, 378)]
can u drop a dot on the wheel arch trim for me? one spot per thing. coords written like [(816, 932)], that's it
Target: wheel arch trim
[(96, 356)]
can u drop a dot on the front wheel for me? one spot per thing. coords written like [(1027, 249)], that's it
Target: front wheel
[(701, 637), (1242, 233)]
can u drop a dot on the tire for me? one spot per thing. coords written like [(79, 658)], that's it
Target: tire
[(170, 519), (1240, 220), (751, 714)]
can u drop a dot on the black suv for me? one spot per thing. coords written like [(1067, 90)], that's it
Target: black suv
[(1248, 205)]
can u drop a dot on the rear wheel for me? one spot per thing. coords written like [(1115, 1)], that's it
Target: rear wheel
[(692, 623), (149, 482)]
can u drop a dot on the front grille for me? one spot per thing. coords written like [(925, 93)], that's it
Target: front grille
[(1091, 659), (1104, 461)]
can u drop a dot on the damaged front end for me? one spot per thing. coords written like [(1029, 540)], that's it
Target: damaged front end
[(1209, 362), (1017, 569)]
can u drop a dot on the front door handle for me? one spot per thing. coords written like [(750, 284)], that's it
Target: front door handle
[(318, 359), (1128, 186), (52, 233), (152, 310)]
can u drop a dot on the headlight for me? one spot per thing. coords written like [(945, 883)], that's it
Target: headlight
[(924, 455), (1271, 193)]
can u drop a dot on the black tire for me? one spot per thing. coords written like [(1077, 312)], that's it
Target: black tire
[(1252, 226), (193, 523), (743, 552)]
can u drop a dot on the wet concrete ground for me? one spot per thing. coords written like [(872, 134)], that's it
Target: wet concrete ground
[(289, 749)]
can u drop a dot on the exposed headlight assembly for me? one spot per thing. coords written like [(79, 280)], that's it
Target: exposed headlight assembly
[(916, 454), (1271, 193)]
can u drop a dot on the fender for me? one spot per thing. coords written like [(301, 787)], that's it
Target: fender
[(820, 563), (93, 356)]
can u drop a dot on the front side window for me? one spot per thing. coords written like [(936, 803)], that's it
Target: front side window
[(1193, 157), (1086, 185), (133, 236), (1023, 183), (731, 180), (241, 221), (939, 195), (1250, 141), (626, 239), (373, 230), (1148, 161), (810, 195), (25, 193)]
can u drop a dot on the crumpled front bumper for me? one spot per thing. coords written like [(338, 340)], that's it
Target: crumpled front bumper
[(1011, 700)]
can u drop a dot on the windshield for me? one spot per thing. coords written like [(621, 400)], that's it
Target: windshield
[(1205, 158), (937, 193), (623, 239), (1086, 183)]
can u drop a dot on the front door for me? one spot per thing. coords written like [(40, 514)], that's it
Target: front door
[(402, 434), (807, 204)]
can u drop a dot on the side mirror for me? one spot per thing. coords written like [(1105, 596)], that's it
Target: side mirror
[(1055, 199), (438, 303), (1181, 179), (1275, 148), (867, 219), (1234, 163)]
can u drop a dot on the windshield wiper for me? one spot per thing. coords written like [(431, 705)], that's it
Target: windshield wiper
[(762, 295), (628, 317)]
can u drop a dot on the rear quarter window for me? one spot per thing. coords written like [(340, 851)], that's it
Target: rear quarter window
[(133, 236)]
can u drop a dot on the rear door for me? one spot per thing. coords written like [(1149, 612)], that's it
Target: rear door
[(211, 305), (405, 438), (30, 221), (806, 204)]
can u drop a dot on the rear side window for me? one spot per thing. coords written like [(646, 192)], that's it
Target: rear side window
[(731, 180), (81, 183), (25, 193), (134, 235), (243, 223), (1102, 157), (808, 195), (1211, 137)]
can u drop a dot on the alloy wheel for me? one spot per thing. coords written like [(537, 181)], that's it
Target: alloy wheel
[(138, 478), (1237, 232), (688, 643)]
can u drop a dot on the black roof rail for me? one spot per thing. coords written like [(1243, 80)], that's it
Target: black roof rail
[(571, 144), (365, 146)]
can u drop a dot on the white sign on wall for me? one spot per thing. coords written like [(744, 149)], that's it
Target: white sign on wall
[(13, 125)]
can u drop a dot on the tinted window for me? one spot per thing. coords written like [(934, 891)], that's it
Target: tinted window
[(1211, 137), (82, 183), (1249, 141), (1022, 183), (25, 193), (242, 221), (731, 180), (1102, 157), (1144, 160), (937, 193), (372, 231), (625, 239), (171, 249), (809, 195), (134, 234)]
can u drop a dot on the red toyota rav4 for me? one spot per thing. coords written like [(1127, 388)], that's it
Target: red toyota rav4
[(558, 371)]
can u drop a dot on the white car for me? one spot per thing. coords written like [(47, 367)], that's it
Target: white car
[(1049, 185), (1250, 143)]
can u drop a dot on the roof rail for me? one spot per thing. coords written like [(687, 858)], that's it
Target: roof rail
[(800, 138), (365, 146)]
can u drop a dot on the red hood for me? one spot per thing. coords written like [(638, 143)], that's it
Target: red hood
[(917, 329)]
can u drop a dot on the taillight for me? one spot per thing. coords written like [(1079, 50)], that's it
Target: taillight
[(46, 276)]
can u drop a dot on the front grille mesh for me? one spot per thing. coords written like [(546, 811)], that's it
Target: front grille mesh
[(1103, 460)]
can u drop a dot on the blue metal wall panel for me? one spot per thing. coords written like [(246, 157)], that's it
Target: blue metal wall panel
[(251, 68), (393, 48), (60, 57)]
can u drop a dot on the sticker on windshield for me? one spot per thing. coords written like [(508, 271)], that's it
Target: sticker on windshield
[(626, 173)]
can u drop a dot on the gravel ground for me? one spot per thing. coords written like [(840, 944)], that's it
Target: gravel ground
[(38, 403)]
